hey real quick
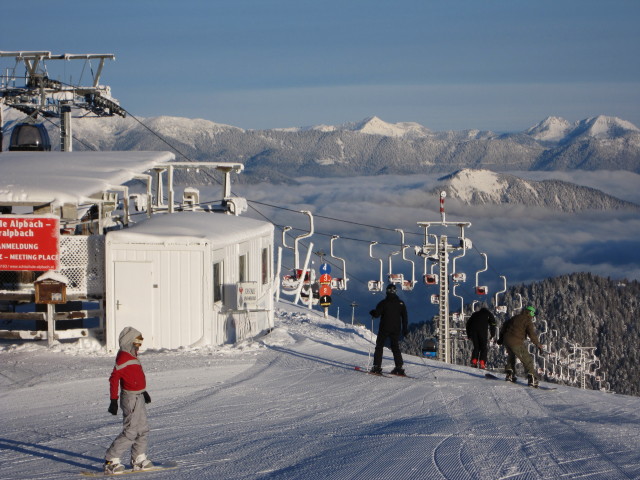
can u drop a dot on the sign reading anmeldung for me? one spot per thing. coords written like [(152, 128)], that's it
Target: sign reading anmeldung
[(29, 243)]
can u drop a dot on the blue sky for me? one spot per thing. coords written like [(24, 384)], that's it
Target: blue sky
[(500, 65)]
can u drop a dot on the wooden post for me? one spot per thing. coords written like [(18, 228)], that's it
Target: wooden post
[(51, 289)]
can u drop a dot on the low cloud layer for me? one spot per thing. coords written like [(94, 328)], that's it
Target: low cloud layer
[(524, 244)]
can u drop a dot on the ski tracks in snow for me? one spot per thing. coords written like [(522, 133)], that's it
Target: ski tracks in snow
[(291, 407), (548, 442)]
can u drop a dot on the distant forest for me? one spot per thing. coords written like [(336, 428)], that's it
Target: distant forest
[(580, 309)]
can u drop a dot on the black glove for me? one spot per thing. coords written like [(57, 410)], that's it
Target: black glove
[(372, 313), (499, 341), (113, 407), (147, 398)]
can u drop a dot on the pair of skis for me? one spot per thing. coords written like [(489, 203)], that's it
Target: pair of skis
[(158, 467), (382, 374), (490, 376)]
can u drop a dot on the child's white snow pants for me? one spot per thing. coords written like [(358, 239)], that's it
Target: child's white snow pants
[(136, 428)]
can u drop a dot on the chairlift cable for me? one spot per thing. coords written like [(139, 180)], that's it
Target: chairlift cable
[(333, 218)]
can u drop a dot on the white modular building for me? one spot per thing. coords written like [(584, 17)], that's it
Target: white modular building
[(190, 278), (179, 272)]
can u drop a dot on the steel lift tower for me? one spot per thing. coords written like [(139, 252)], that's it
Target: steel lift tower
[(35, 93), (439, 251)]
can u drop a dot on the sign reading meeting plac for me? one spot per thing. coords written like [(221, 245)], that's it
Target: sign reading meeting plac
[(29, 243)]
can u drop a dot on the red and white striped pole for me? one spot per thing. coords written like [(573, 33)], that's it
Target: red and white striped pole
[(443, 194)]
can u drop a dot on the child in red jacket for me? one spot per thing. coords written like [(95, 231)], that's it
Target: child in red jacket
[(128, 379)]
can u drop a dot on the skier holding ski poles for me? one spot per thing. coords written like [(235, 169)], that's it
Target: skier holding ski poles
[(393, 321), (513, 334), (128, 378)]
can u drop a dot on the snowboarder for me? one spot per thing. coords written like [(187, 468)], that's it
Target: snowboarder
[(393, 321), (513, 334), (129, 380), (481, 322)]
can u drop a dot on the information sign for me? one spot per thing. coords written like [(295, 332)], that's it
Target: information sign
[(325, 301), (325, 268), (29, 243), (325, 290), (247, 295), (50, 291)]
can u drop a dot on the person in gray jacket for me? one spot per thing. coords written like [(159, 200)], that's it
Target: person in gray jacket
[(512, 335)]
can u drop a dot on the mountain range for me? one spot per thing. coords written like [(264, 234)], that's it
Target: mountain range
[(369, 147), (373, 147)]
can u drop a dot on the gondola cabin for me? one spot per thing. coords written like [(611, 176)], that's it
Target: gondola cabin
[(29, 137)]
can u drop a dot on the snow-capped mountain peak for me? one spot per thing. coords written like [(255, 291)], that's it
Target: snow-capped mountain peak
[(484, 187), (551, 129), (603, 127), (376, 126), (467, 183)]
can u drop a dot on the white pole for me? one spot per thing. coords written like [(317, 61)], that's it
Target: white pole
[(277, 280), (304, 274), (51, 318)]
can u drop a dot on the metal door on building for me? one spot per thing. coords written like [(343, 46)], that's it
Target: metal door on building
[(133, 299)]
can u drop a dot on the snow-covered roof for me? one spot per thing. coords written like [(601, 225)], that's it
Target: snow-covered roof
[(192, 228), (69, 177), (52, 275)]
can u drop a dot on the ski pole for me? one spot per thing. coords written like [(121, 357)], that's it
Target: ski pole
[(371, 343)]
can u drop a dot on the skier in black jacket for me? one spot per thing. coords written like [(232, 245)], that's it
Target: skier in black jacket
[(393, 321), (481, 322)]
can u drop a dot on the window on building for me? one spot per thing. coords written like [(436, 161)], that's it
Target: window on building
[(242, 268), (265, 266), (217, 282)]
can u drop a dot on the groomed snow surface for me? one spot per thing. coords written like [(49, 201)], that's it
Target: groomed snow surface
[(290, 405)]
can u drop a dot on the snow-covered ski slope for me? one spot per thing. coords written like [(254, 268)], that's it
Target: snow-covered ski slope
[(289, 405)]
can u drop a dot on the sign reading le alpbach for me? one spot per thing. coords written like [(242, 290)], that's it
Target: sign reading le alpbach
[(29, 243)]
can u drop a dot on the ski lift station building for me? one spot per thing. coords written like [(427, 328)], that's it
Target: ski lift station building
[(186, 278), (181, 274)]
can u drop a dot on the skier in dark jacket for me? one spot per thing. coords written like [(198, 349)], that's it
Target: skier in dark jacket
[(479, 324), (393, 321), (513, 334)]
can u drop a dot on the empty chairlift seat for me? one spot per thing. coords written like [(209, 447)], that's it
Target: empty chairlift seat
[(430, 279)]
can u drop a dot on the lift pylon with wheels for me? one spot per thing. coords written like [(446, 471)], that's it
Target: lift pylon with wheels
[(441, 252)]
